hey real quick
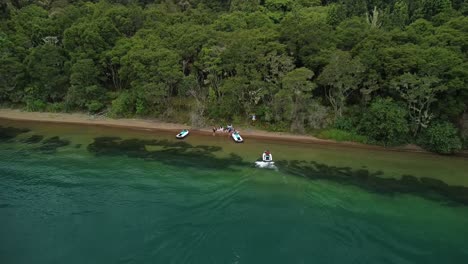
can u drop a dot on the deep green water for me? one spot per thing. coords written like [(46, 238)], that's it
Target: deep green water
[(73, 194)]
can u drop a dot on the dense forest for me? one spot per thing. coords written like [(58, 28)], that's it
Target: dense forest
[(380, 72)]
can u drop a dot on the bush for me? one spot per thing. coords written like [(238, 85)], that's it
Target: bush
[(123, 105), (94, 106), (318, 116), (341, 135), (345, 123), (441, 137), (56, 107), (385, 122), (89, 97), (34, 105)]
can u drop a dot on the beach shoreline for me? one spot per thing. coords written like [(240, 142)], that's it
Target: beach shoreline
[(157, 125)]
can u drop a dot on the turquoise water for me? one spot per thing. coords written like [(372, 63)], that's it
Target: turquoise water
[(146, 198)]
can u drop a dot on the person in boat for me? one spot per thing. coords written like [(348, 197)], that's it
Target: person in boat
[(267, 152)]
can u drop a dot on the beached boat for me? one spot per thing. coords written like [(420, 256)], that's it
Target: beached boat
[(184, 133), (237, 137)]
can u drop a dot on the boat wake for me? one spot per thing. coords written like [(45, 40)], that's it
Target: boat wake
[(266, 165)]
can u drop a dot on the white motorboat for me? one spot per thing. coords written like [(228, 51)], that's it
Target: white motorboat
[(267, 157), (266, 162), (184, 133), (237, 137)]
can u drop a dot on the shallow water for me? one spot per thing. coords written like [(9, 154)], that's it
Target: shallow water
[(73, 194)]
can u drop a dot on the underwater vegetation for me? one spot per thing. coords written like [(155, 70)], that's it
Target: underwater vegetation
[(171, 153), (34, 139), (47, 146), (428, 188), (7, 133), (51, 145), (181, 153), (184, 154)]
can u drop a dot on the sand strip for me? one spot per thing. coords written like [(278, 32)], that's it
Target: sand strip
[(154, 124)]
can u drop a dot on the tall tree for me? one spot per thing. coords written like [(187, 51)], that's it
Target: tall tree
[(341, 77), (294, 95), (419, 93), (46, 70)]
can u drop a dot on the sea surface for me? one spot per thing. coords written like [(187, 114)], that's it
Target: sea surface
[(88, 194)]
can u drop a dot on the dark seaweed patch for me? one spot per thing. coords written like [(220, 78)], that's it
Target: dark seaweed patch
[(51, 145), (428, 188), (172, 153), (210, 148), (184, 154), (77, 146), (7, 133), (33, 139)]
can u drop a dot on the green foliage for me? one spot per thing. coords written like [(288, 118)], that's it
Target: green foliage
[(12, 71), (345, 123), (85, 93), (341, 135), (350, 32), (441, 137), (385, 122), (123, 106), (294, 97), (433, 7), (94, 106), (55, 107), (47, 73), (278, 8), (33, 23), (341, 77), (35, 105), (312, 49), (419, 93)]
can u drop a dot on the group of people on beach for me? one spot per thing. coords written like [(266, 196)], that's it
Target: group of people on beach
[(229, 129)]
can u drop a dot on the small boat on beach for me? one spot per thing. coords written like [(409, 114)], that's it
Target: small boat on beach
[(237, 137), (184, 133)]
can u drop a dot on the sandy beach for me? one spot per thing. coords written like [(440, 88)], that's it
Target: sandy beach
[(154, 124)]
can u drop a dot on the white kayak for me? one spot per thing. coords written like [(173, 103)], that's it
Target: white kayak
[(182, 134), (237, 137)]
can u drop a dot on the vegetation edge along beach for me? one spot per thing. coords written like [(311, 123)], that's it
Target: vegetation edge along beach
[(158, 125)]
